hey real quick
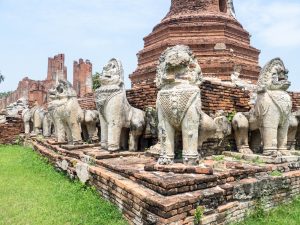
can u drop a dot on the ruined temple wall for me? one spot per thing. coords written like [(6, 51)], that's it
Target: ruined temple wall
[(56, 65), (82, 77), (31, 90), (21, 92), (35, 90), (2, 103)]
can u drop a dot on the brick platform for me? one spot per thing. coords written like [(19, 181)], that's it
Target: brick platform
[(148, 195)]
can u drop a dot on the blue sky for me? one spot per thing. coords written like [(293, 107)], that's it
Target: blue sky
[(33, 30)]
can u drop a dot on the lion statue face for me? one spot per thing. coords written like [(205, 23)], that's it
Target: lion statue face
[(178, 65), (274, 76), (112, 73), (62, 89)]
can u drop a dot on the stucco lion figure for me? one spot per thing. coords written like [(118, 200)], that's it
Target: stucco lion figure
[(247, 133), (116, 114), (66, 112), (89, 125), (178, 103), (273, 107), (33, 119)]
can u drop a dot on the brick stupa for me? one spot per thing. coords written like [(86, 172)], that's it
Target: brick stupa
[(210, 29)]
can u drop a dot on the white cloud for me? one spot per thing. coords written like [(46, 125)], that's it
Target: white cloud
[(276, 23)]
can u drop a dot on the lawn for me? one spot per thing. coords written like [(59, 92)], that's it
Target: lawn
[(33, 193), (288, 214)]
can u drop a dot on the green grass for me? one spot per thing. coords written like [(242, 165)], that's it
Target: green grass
[(287, 214), (218, 157), (276, 173), (33, 193)]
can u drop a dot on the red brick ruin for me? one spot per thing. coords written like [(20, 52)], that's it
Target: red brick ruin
[(56, 67), (34, 90), (217, 39), (220, 44), (82, 77)]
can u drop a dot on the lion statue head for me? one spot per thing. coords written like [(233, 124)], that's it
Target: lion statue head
[(62, 90), (178, 65), (112, 74), (274, 76)]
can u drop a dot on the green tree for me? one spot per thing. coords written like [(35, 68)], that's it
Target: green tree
[(5, 94), (96, 81), (1, 78)]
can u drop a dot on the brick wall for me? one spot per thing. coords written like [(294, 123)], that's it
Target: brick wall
[(56, 67), (296, 100), (88, 102), (10, 130), (215, 96), (82, 77)]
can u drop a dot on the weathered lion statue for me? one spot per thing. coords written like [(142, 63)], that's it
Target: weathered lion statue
[(178, 103), (247, 134), (65, 112), (33, 119), (47, 125), (116, 114), (89, 125), (273, 107)]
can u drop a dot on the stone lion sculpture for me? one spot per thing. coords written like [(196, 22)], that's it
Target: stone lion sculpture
[(273, 107), (116, 114), (47, 125), (89, 125), (66, 112), (178, 103), (240, 125), (26, 117), (215, 127), (247, 134), (59, 131), (293, 130), (33, 119)]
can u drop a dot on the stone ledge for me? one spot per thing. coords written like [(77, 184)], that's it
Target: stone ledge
[(264, 159), (79, 146), (179, 168)]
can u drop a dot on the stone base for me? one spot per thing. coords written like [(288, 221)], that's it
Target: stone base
[(264, 159), (295, 152), (150, 194), (179, 168), (53, 142), (79, 146)]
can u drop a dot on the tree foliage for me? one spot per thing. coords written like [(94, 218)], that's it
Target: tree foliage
[(5, 94), (1, 77), (96, 81)]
